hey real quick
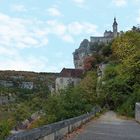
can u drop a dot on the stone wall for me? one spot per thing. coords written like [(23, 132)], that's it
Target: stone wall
[(21, 84), (6, 83), (137, 112), (55, 131), (27, 85), (100, 40), (64, 82), (6, 100)]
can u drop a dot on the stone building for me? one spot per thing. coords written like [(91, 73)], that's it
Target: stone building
[(68, 77), (84, 50), (108, 35)]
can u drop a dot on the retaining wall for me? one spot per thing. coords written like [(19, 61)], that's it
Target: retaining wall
[(55, 131)]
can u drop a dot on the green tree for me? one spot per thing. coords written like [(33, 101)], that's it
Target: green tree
[(122, 78), (88, 85)]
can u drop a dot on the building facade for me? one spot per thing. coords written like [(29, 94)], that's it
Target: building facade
[(68, 77)]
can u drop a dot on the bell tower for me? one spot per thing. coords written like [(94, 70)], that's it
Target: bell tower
[(115, 28)]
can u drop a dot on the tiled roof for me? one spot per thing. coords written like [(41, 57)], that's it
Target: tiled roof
[(75, 73)]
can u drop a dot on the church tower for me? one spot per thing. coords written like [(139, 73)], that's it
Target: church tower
[(115, 28)]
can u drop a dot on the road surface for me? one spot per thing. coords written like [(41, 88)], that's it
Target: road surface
[(108, 127)]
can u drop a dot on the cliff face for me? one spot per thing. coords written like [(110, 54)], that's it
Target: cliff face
[(80, 54), (24, 80), (85, 50)]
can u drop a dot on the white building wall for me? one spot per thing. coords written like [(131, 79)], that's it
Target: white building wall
[(63, 82)]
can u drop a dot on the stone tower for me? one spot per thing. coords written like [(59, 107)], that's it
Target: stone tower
[(115, 28)]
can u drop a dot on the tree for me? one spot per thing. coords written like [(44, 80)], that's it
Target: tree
[(89, 63), (122, 78), (126, 46), (106, 50), (88, 85)]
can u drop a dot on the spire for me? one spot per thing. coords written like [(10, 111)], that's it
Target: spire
[(115, 22), (115, 27)]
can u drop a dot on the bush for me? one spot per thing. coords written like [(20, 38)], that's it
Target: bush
[(4, 129), (72, 102), (128, 107), (68, 103)]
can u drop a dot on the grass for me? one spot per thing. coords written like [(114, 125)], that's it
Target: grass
[(5, 115)]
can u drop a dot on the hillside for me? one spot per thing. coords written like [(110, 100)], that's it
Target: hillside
[(22, 94)]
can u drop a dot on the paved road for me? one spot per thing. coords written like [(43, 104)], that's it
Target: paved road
[(109, 127)]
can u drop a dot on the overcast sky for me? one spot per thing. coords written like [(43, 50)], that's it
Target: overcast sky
[(41, 35)]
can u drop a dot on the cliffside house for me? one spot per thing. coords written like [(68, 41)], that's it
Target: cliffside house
[(68, 77)]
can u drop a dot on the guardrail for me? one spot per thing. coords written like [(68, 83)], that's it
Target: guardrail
[(137, 112), (55, 131)]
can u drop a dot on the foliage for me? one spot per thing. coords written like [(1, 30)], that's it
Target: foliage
[(124, 45), (107, 50), (4, 129), (39, 122), (72, 102), (122, 79), (67, 104), (89, 63), (96, 47), (127, 108), (136, 28), (88, 85), (22, 112)]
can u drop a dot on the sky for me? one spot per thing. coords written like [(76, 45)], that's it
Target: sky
[(41, 35)]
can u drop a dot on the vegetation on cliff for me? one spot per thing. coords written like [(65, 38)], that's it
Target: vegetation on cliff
[(122, 76)]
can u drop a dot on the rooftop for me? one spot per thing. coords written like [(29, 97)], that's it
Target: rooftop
[(75, 73)]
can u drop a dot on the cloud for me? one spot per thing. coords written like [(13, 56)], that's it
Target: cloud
[(18, 8), (68, 38), (33, 63), (53, 11), (5, 51), (68, 32), (24, 63), (120, 3), (77, 28), (138, 17), (79, 3), (20, 33), (136, 1)]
